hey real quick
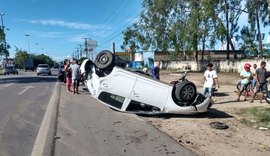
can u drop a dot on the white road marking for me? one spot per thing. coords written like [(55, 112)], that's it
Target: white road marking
[(7, 85), (25, 89), (47, 130)]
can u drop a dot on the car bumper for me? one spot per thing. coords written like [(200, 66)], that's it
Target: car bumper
[(43, 72), (199, 108)]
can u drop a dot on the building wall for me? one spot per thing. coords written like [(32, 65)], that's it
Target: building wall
[(221, 66)]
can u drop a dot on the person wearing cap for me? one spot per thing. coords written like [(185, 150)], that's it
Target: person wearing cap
[(261, 76), (246, 77)]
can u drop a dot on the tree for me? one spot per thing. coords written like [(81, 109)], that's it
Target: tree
[(20, 57), (42, 59), (247, 38), (3, 45), (258, 10)]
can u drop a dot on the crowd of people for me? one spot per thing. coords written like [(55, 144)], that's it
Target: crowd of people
[(252, 80), (250, 76), (254, 77), (72, 75)]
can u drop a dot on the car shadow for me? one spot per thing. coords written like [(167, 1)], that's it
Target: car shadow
[(220, 94), (211, 113), (38, 79)]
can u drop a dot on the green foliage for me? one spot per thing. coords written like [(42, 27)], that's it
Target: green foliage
[(258, 11), (3, 45), (42, 59), (247, 39), (188, 25), (20, 57), (260, 116)]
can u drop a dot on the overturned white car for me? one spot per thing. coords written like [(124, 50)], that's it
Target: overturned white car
[(128, 91)]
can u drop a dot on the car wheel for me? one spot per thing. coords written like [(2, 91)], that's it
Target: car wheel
[(104, 59), (185, 91), (267, 98)]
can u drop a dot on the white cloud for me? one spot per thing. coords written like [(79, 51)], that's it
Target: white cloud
[(70, 25), (47, 34)]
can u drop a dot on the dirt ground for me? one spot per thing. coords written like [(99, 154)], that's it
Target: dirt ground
[(195, 133)]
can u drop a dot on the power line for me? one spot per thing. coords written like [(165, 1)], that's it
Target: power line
[(114, 35), (118, 8), (119, 23)]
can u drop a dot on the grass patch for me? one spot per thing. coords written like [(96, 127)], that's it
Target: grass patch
[(255, 117), (1, 71)]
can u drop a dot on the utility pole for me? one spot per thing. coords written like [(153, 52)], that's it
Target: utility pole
[(37, 48), (90, 45), (113, 47), (4, 37), (80, 52), (27, 35), (86, 46)]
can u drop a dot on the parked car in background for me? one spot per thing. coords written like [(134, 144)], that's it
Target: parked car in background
[(61, 74), (132, 92), (10, 70), (43, 69)]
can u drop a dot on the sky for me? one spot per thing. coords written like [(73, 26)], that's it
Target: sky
[(56, 27)]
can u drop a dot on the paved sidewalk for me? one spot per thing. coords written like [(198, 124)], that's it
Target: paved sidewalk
[(88, 128)]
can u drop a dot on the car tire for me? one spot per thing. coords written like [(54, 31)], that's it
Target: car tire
[(267, 98), (104, 59), (185, 91)]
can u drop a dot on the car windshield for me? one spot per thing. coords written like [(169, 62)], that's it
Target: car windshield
[(43, 66), (10, 67)]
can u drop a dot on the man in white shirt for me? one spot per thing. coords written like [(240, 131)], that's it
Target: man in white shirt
[(210, 80), (76, 76)]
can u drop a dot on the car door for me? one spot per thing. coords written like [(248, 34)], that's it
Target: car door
[(150, 92), (117, 85)]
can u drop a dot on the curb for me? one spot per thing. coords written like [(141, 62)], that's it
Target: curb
[(44, 144)]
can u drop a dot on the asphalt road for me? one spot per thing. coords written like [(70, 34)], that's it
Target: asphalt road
[(86, 127), (23, 102)]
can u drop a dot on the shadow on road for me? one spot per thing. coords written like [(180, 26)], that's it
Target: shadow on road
[(220, 94), (212, 113), (39, 79)]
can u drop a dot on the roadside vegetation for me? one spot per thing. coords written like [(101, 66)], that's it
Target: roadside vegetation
[(182, 27), (255, 117), (1, 71), (22, 55)]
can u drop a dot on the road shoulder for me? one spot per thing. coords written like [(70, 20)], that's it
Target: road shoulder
[(87, 127)]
